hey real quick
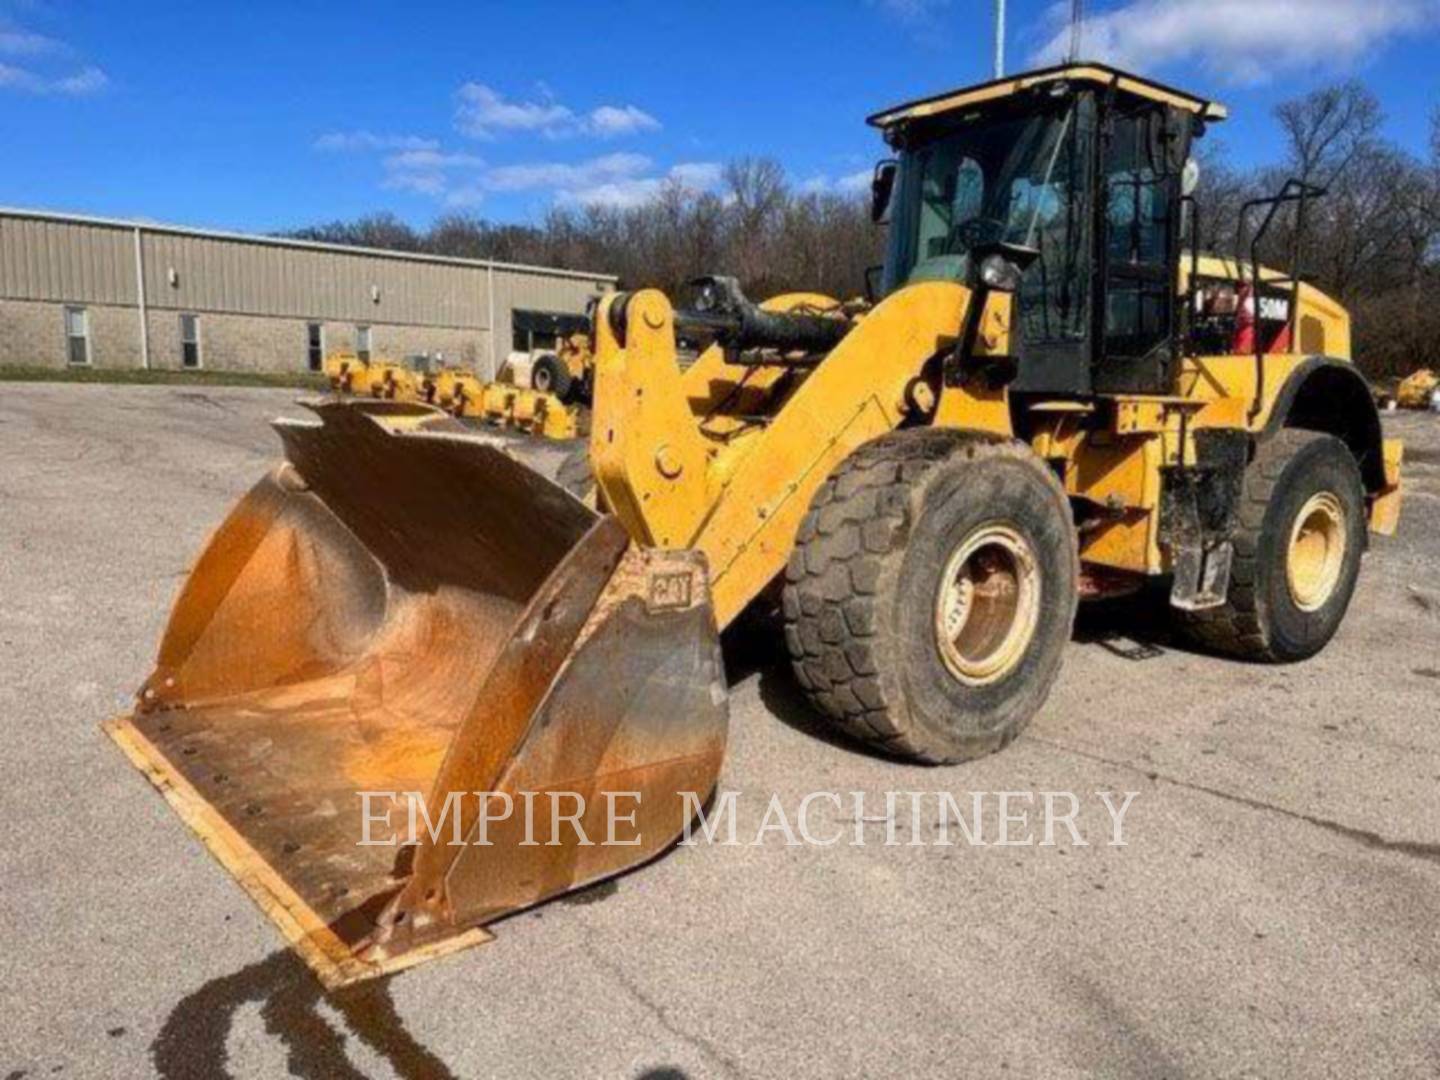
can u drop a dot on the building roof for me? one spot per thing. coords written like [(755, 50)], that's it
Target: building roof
[(1086, 72), (288, 242)]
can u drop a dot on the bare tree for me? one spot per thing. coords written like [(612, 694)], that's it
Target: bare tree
[(1326, 130)]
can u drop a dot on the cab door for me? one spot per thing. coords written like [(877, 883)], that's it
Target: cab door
[(1143, 150)]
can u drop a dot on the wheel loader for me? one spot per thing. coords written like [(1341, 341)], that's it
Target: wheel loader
[(1053, 395)]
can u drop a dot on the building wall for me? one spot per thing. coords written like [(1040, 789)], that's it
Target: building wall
[(32, 334), (254, 296)]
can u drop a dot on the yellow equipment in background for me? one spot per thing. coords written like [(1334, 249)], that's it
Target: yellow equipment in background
[(347, 373), (458, 391), (1418, 390), (463, 394), (1050, 398), (566, 372)]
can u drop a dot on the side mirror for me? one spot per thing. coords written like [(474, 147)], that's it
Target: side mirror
[(1190, 177), (882, 186)]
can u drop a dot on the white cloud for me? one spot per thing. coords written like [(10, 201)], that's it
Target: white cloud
[(912, 12), (47, 59), (426, 171), (565, 176), (691, 176), (423, 166), (1240, 41), (16, 42), (824, 184), (609, 120), (465, 195), (620, 179), (428, 158), (86, 81), (697, 175), (345, 141), (483, 112)]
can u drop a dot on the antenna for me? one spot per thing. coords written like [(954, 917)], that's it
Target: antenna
[(999, 38), (1077, 23)]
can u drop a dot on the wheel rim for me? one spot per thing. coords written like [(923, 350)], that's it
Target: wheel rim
[(988, 605), (542, 378), (1317, 551)]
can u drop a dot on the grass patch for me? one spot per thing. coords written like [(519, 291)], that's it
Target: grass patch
[(155, 377)]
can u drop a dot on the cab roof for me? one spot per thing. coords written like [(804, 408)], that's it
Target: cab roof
[(1100, 74)]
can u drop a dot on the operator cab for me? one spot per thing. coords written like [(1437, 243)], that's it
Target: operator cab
[(1066, 186)]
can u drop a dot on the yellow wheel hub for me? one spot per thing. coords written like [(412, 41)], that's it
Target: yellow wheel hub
[(988, 605), (1316, 556)]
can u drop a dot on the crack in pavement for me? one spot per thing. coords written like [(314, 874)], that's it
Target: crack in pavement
[(704, 1046), (1413, 848)]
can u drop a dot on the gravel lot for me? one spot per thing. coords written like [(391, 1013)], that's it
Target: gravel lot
[(1273, 913)]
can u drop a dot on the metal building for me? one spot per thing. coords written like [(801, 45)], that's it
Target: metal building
[(132, 294)]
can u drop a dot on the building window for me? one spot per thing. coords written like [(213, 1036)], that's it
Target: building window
[(362, 343), (190, 341), (531, 330), (315, 346), (77, 335)]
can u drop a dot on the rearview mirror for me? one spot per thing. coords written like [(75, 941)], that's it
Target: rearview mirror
[(882, 186), (1190, 177)]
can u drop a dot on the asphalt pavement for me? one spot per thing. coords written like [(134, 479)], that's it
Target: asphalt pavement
[(1274, 911)]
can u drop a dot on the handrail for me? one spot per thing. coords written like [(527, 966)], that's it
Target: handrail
[(1297, 191)]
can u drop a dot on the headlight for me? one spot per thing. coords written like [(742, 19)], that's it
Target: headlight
[(998, 272)]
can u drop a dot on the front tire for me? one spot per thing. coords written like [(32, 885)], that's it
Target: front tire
[(549, 375), (931, 593), (1302, 532)]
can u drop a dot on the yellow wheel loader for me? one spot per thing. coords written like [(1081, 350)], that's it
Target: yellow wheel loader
[(1419, 390), (566, 372), (1050, 398)]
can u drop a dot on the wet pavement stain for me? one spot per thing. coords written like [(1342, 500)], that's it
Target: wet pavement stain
[(191, 1044)]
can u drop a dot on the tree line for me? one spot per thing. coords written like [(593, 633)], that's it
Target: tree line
[(1371, 240)]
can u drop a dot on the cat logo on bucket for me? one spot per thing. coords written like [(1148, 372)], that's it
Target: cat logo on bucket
[(669, 591)]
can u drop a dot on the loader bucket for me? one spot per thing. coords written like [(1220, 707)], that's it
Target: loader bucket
[(402, 607)]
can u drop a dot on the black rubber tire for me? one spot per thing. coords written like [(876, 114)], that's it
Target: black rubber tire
[(575, 474), (550, 376), (860, 589), (1260, 619)]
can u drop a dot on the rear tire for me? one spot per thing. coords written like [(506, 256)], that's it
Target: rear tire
[(1297, 552), (550, 376), (931, 593)]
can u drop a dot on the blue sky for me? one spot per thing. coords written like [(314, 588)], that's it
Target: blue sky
[(263, 116)]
